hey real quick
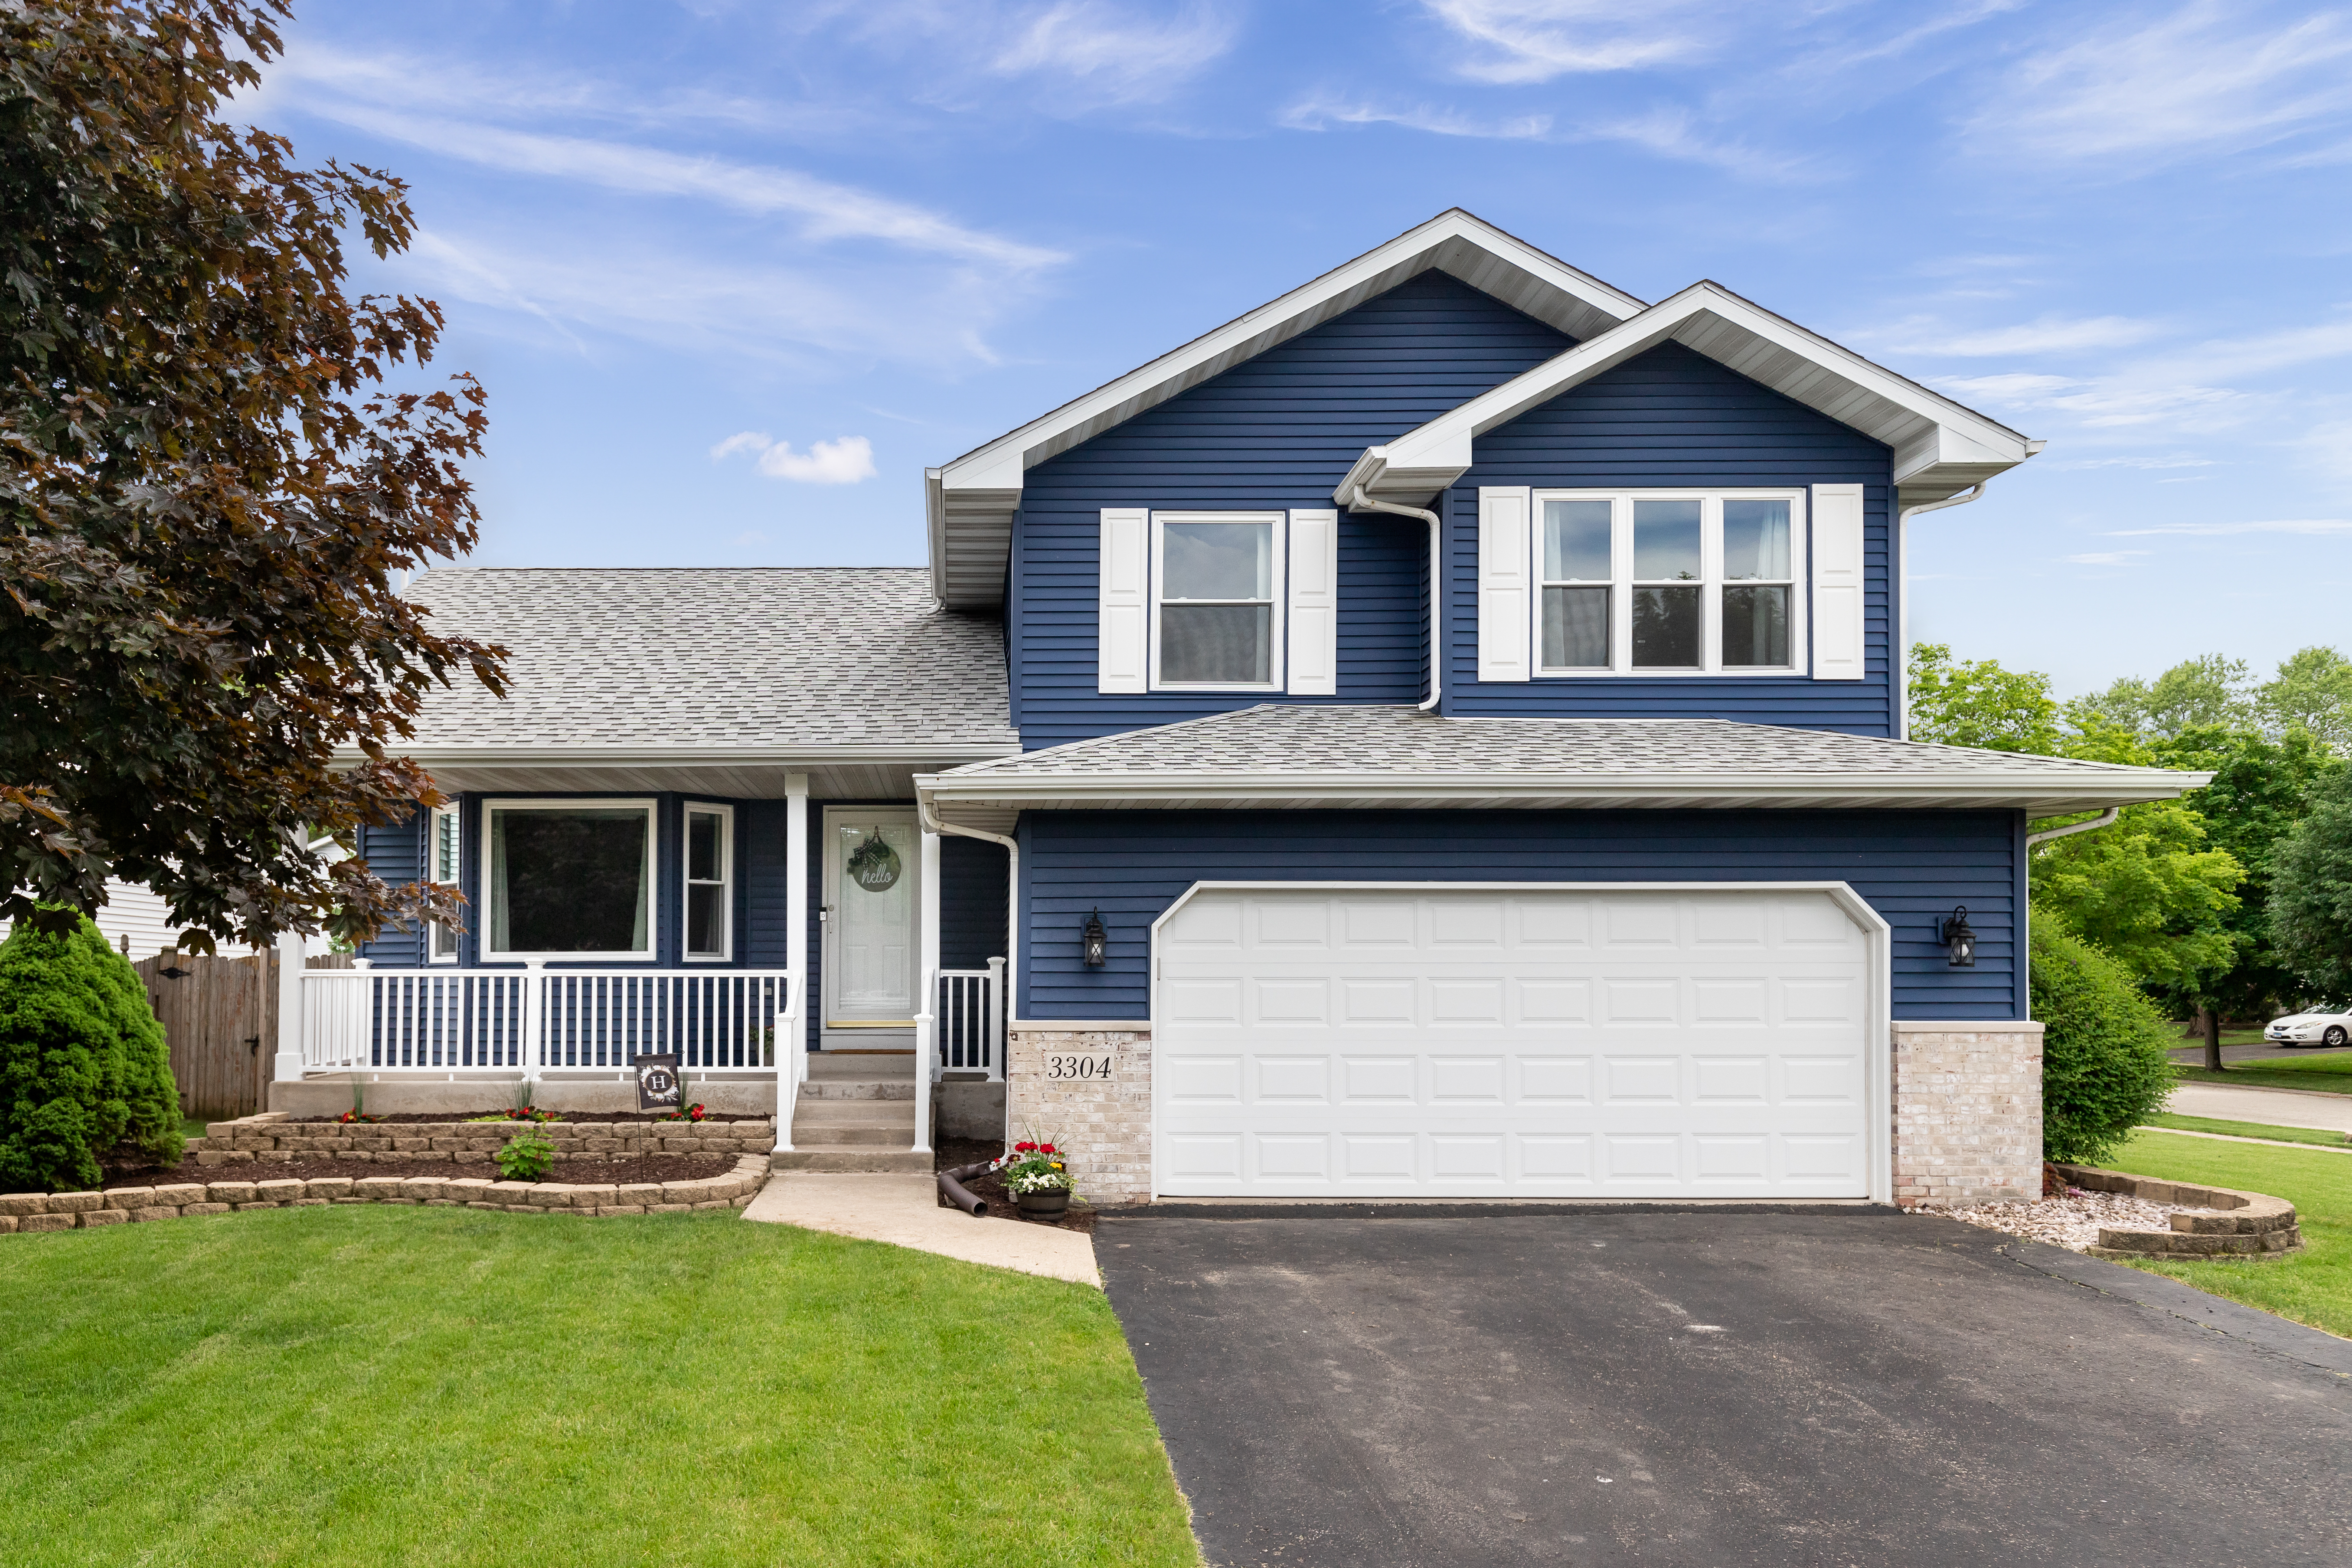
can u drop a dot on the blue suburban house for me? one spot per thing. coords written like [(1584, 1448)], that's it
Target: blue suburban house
[(1439, 735)]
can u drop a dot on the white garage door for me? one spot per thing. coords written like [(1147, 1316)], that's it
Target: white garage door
[(1520, 1043)]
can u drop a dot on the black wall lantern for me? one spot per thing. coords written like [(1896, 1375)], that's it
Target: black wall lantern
[(1096, 939), (1960, 939)]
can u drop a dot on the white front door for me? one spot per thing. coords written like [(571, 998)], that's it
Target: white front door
[(1514, 1043), (872, 868)]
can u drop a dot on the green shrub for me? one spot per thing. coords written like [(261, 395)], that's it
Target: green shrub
[(83, 1063), (526, 1159), (2104, 1068)]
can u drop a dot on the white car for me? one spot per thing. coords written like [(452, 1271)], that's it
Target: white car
[(2320, 1027)]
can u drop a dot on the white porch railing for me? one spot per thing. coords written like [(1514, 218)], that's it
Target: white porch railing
[(971, 1014), (457, 1021)]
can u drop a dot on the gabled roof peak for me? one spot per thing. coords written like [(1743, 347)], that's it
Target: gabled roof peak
[(972, 499)]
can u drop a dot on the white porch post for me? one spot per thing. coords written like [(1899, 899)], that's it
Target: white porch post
[(926, 1022), (287, 1066), (797, 957)]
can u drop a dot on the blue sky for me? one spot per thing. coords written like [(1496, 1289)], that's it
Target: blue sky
[(735, 273)]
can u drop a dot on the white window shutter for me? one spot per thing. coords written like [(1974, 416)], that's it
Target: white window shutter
[(1506, 560), (1123, 628), (1314, 609), (1838, 600)]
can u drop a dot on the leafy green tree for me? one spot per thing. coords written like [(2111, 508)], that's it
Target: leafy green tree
[(2313, 690), (206, 486), (2311, 892), (83, 1064), (2103, 1067), (2205, 691), (1976, 702), (2151, 890)]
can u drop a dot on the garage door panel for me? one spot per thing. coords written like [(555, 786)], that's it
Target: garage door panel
[(1394, 1044)]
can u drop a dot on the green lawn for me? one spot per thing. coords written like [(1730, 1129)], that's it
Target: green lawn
[(2330, 1074), (2251, 1129), (432, 1386), (2311, 1286)]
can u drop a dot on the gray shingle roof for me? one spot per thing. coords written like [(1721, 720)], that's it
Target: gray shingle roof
[(695, 657), (1368, 754)]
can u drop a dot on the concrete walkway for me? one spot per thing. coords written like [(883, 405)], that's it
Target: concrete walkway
[(2279, 1108), (904, 1211)]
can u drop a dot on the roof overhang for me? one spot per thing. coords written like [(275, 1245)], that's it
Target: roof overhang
[(987, 798), (971, 502), (1940, 447), (734, 773)]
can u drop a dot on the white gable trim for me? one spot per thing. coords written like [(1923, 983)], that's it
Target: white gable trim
[(1940, 446), (971, 501)]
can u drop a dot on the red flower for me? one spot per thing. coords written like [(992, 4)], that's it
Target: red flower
[(1044, 1149)]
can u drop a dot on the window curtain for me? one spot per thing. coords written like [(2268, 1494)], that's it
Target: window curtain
[(498, 942)]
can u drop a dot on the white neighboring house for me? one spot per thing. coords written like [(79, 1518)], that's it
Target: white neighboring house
[(137, 923)]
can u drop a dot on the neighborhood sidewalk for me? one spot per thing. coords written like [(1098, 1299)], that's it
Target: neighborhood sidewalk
[(904, 1211), (2279, 1108)]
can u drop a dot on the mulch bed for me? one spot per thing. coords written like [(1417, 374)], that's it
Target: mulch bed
[(989, 1189), (627, 1168), (411, 1117)]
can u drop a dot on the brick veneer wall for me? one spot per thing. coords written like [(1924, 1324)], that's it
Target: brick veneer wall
[(1104, 1124), (28, 1212), (1968, 1111)]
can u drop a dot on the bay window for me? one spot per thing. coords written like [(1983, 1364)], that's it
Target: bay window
[(568, 878), (1649, 582)]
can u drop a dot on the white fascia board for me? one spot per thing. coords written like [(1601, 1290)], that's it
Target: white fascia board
[(2125, 787), (1734, 332)]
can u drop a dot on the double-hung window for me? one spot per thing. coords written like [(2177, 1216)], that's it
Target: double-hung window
[(441, 866), (1217, 600), (710, 882), (1649, 582)]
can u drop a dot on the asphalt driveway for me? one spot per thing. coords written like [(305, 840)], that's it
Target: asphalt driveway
[(1719, 1388)]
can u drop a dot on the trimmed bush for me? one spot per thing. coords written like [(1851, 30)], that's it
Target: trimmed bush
[(2104, 1068), (83, 1063)]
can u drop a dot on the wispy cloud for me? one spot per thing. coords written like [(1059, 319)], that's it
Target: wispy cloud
[(2102, 557), (2103, 403), (1666, 132), (2206, 77), (842, 461), (1320, 112), (2318, 525), (1536, 40), (2046, 334), (2171, 462), (1124, 56)]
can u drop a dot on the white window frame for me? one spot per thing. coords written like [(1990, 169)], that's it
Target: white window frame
[(1711, 584), (546, 803), (435, 820), (1277, 630), (726, 883)]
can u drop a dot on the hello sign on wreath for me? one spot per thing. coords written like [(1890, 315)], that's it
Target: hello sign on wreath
[(873, 865)]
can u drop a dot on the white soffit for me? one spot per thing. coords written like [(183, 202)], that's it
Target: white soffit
[(1940, 446), (971, 501)]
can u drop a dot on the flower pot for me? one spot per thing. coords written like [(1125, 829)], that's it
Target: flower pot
[(1044, 1204)]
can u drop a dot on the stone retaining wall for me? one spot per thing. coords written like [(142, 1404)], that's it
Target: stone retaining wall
[(270, 1137), (2250, 1225), (24, 1212)]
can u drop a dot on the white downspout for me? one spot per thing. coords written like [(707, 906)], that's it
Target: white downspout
[(2104, 820), (1903, 603), (931, 823), (1360, 501)]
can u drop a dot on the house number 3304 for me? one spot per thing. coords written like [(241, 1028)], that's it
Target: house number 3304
[(1068, 1067)]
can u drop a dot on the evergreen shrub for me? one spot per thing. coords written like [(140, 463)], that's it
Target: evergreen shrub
[(2104, 1068), (84, 1067)]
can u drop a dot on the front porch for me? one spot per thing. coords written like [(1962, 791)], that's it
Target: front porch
[(749, 937)]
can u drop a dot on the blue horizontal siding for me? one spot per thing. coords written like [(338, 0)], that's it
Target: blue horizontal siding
[(1911, 867), (1675, 417), (396, 854), (1274, 433), (972, 888)]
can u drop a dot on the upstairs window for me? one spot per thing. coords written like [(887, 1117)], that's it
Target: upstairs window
[(710, 882), (1217, 600), (1652, 584)]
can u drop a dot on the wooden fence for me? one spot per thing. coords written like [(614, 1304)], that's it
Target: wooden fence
[(220, 1015)]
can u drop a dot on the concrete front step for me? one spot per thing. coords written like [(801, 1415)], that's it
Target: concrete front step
[(878, 1134), (820, 1088), (896, 1112), (878, 1066), (851, 1160)]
